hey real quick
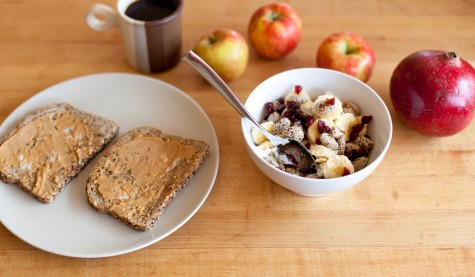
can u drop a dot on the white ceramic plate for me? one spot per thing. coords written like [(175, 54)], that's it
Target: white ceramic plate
[(69, 226)]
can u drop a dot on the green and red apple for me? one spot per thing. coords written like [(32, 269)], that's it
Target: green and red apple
[(226, 51), (348, 53), (274, 30)]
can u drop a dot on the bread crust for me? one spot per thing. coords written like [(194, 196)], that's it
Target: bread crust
[(155, 206), (100, 126)]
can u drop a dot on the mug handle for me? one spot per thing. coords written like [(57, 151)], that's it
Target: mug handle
[(95, 15)]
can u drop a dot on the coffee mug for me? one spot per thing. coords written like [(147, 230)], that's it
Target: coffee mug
[(151, 44)]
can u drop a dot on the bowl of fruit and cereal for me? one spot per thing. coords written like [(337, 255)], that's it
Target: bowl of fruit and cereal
[(341, 120)]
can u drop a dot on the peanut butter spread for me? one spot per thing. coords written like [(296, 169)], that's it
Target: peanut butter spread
[(140, 173), (39, 151)]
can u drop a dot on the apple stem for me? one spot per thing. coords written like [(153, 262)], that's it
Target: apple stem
[(274, 16), (351, 49), (212, 40)]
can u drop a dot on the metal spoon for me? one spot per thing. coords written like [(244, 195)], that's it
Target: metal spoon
[(291, 152)]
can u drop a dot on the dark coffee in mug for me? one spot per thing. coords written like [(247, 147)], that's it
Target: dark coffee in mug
[(150, 10), (151, 30)]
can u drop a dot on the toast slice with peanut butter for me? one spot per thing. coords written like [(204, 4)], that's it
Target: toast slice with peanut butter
[(140, 174), (50, 146)]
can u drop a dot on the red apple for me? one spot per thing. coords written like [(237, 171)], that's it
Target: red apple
[(274, 30), (434, 92), (226, 51), (348, 53)]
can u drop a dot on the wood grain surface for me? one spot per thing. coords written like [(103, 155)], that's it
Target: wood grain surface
[(414, 216)]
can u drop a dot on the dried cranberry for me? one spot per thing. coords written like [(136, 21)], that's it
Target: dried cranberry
[(308, 121), (318, 141), (307, 145), (293, 105), (305, 119), (286, 113), (330, 101), (351, 155), (346, 171), (322, 127), (292, 115), (298, 89), (362, 152), (269, 106), (355, 154), (292, 159), (279, 107), (366, 119), (355, 131), (357, 128)]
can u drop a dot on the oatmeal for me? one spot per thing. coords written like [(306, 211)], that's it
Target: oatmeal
[(333, 130)]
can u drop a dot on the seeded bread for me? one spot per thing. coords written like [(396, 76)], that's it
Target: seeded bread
[(141, 173), (50, 146)]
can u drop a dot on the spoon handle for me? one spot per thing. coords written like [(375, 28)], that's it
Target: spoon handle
[(213, 78)]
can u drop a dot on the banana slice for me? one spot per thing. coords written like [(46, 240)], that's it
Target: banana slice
[(312, 132), (321, 152), (365, 127), (335, 166), (266, 145), (327, 106), (257, 136), (346, 122), (301, 98)]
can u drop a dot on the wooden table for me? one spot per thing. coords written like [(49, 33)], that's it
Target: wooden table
[(415, 215)]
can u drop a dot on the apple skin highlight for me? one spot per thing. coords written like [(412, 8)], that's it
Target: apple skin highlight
[(226, 51), (274, 30), (348, 53)]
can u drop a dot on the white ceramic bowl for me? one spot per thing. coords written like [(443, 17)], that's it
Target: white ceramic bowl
[(315, 81)]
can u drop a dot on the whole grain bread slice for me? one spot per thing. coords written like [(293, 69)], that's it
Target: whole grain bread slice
[(141, 173), (50, 146)]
